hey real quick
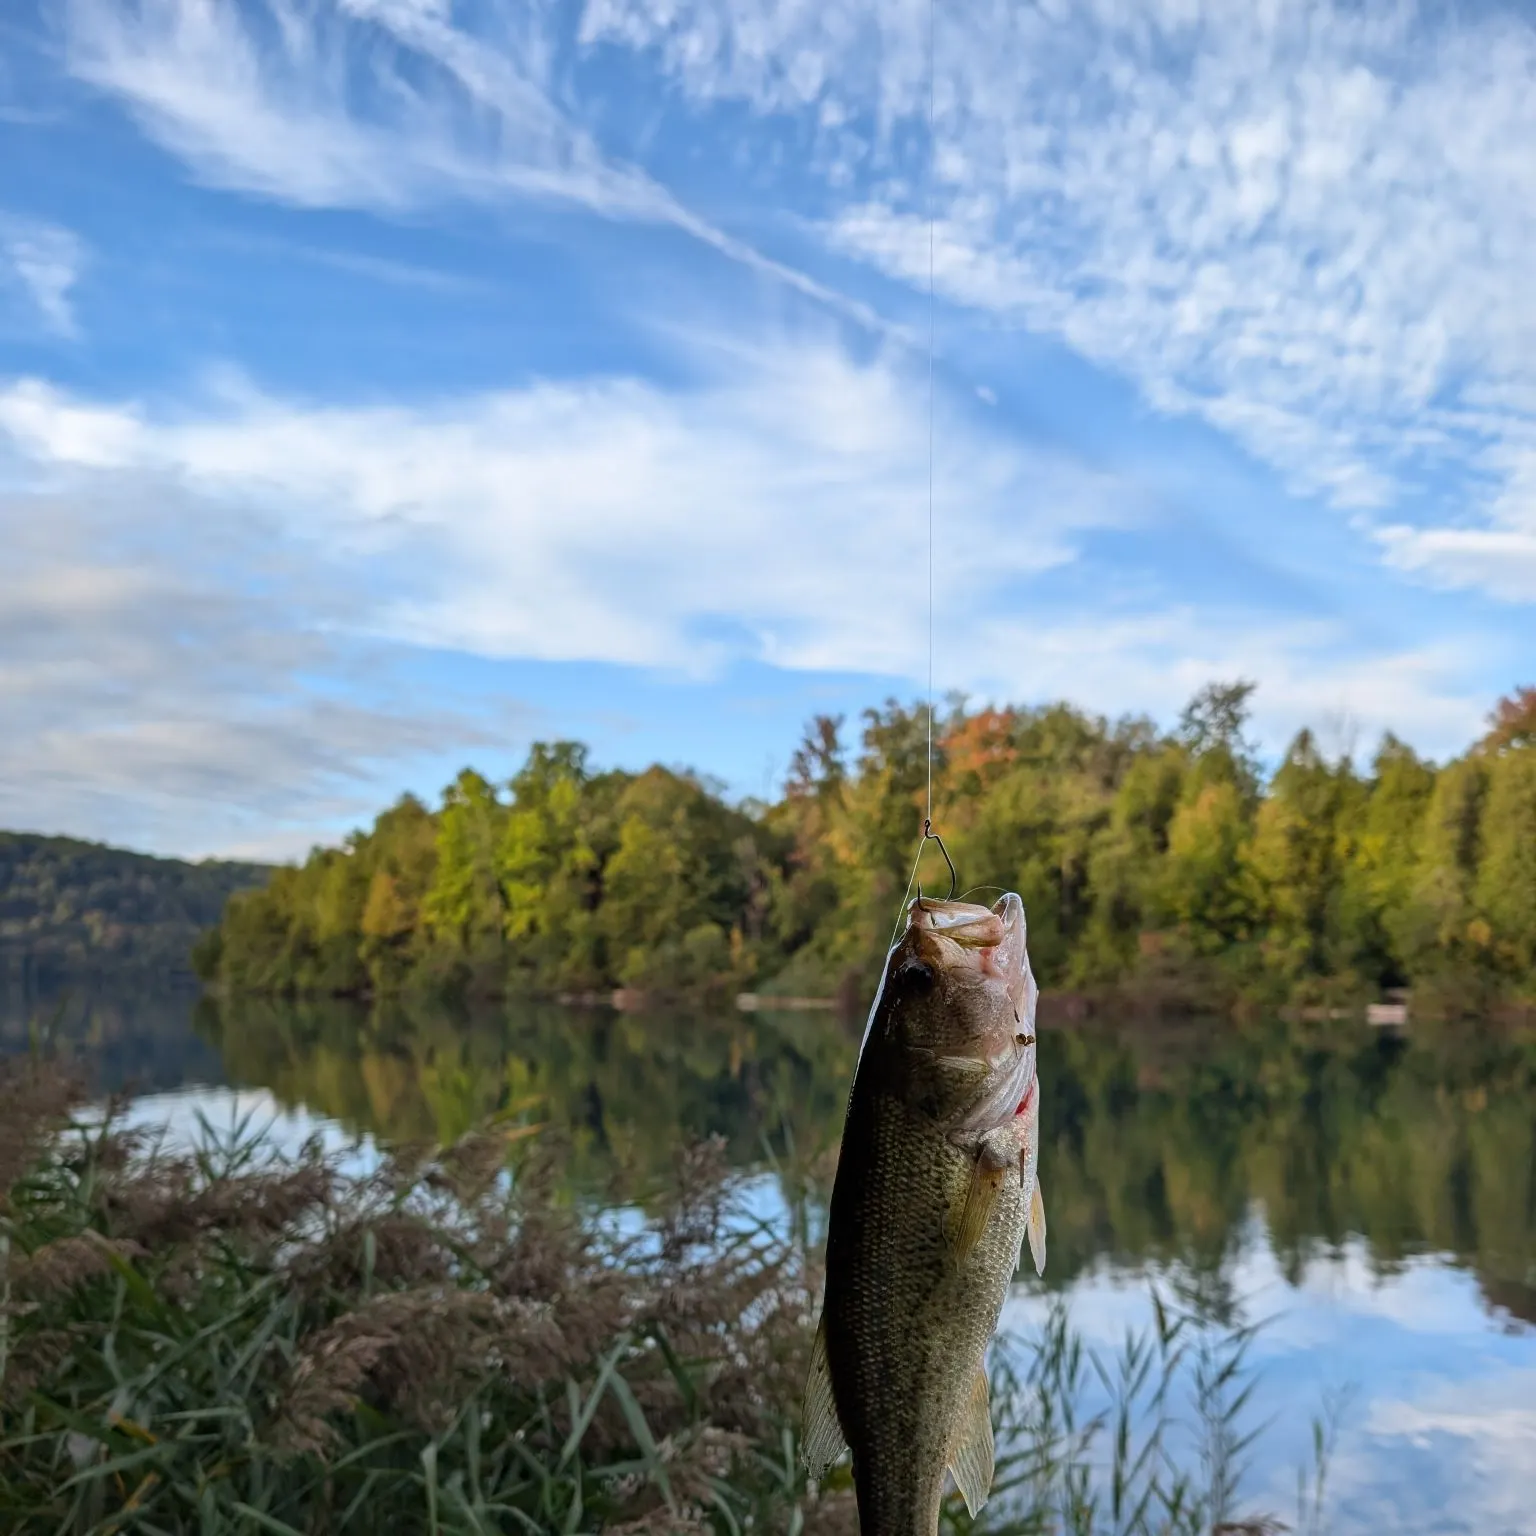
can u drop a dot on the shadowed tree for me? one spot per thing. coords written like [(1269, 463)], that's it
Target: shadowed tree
[(1213, 727), (1440, 921), (1506, 879)]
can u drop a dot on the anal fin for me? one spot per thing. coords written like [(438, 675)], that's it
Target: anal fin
[(1035, 1226), (971, 1456), (821, 1435)]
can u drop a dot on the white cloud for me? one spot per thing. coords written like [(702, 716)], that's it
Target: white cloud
[(173, 679), (1498, 552), (43, 262), (1307, 223), (782, 500), (205, 609), (1499, 560), (775, 509), (1153, 660), (382, 105)]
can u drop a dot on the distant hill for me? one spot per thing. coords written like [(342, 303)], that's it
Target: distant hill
[(72, 909)]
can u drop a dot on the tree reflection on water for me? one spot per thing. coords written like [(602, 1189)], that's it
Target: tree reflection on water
[(1157, 1140)]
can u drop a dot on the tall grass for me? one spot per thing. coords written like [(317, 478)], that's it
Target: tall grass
[(226, 1340)]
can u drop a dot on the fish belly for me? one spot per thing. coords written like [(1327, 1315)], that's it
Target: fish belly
[(906, 1327)]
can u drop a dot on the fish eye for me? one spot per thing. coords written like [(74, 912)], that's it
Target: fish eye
[(1022, 1039)]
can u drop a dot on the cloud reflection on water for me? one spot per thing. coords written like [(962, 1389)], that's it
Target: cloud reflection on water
[(1440, 1421)]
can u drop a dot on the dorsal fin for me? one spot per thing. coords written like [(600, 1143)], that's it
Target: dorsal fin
[(821, 1436), (970, 1456)]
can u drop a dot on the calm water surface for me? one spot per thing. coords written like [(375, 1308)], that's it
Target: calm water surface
[(1373, 1200)]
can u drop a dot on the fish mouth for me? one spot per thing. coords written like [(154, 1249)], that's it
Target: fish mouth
[(990, 939), (956, 935)]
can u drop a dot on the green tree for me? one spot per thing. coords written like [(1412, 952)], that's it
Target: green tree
[(1213, 726), (1385, 834), (1126, 860), (1297, 858), (1440, 921), (1506, 879), (549, 867), (1135, 853), (1205, 889), (464, 904)]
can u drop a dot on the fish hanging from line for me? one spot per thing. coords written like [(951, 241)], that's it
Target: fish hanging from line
[(936, 1190)]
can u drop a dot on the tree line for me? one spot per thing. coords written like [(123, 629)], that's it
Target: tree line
[(69, 909), (1142, 856)]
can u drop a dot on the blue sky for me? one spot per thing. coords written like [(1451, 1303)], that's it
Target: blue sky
[(385, 384)]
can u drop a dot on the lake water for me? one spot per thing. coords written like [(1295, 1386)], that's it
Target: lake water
[(1371, 1199)]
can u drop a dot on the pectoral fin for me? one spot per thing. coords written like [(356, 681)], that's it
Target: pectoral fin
[(970, 1457), (821, 1436), (971, 1212), (1035, 1226), (965, 1066)]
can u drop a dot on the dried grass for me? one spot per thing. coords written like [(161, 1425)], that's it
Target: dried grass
[(304, 1330), (35, 1099), (66, 1263), (228, 1342)]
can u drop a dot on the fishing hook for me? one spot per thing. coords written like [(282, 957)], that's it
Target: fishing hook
[(930, 836)]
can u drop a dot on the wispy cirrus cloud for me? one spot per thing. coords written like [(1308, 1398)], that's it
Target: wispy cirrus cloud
[(41, 262), (374, 269), (380, 106), (387, 106), (1306, 223)]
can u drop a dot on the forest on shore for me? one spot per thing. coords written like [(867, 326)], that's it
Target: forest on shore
[(1144, 857), (70, 909)]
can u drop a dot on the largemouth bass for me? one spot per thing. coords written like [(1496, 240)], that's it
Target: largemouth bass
[(935, 1191)]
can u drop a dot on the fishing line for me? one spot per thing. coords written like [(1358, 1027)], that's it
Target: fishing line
[(929, 835), (932, 158)]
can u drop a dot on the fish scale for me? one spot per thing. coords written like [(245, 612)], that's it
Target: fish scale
[(906, 1329), (935, 1192)]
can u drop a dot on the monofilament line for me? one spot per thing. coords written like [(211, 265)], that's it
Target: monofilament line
[(929, 181), (933, 8)]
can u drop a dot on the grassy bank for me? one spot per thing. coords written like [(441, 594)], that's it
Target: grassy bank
[(228, 1340)]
